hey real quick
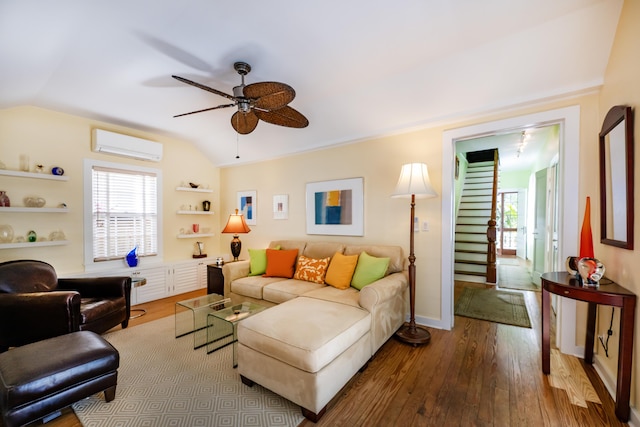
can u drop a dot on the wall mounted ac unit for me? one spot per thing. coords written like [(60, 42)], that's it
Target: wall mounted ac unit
[(118, 144)]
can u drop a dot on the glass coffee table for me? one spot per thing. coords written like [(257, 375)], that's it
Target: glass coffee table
[(191, 316), (222, 326)]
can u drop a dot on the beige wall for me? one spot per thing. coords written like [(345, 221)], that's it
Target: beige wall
[(621, 87), (56, 139), (386, 220)]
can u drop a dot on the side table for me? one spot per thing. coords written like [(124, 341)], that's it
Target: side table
[(566, 285), (222, 326), (215, 279), (136, 282)]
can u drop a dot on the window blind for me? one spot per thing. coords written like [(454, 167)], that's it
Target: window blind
[(124, 213)]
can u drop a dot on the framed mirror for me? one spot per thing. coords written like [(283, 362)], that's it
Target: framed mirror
[(616, 178)]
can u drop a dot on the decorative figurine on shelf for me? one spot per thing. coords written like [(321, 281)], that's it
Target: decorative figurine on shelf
[(132, 257), (4, 199), (32, 236), (6, 233), (206, 205), (591, 271), (199, 250), (56, 170)]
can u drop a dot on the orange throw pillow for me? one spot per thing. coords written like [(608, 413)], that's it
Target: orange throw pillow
[(341, 270), (281, 263), (311, 269)]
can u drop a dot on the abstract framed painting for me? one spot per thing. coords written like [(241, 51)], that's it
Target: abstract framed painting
[(247, 205), (335, 207)]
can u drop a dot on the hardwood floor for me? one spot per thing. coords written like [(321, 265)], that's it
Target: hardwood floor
[(478, 374)]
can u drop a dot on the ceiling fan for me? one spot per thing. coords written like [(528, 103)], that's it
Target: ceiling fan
[(267, 101)]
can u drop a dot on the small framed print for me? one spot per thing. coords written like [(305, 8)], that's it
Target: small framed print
[(247, 205), (281, 206)]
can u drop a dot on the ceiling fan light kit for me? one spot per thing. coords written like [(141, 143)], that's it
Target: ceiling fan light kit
[(266, 101)]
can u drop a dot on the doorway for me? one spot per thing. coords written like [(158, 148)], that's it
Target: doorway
[(569, 120), (508, 220)]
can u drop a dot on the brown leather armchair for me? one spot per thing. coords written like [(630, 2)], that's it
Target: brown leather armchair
[(35, 304)]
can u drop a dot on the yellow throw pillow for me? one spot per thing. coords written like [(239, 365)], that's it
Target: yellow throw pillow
[(341, 270), (311, 269)]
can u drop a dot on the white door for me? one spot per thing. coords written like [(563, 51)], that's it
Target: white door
[(521, 245), (539, 230)]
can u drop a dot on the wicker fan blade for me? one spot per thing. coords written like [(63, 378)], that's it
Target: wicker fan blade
[(244, 123), (206, 109), (269, 95), (285, 116), (203, 87)]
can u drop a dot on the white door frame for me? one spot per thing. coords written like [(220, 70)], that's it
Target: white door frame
[(569, 120)]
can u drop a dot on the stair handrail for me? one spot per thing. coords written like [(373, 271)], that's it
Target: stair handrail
[(491, 225)]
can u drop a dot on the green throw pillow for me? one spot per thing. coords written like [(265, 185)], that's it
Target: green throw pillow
[(257, 261), (368, 270)]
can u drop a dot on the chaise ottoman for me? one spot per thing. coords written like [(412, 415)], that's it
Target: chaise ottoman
[(305, 350), (43, 377)]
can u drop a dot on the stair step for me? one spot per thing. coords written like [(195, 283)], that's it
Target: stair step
[(482, 192), (470, 257), (475, 205), (475, 228), (480, 186), (472, 220), (470, 246), (470, 278), (475, 199), (471, 238), (477, 165), (467, 251), (467, 268), (486, 213)]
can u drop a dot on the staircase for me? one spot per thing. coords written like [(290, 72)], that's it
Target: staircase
[(472, 262)]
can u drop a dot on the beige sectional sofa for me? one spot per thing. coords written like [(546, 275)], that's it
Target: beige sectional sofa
[(315, 337)]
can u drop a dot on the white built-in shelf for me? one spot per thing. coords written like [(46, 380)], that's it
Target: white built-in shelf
[(35, 175), (195, 190), (33, 210), (194, 235), (195, 213), (33, 244)]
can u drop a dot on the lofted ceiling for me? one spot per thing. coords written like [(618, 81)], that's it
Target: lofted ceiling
[(360, 69)]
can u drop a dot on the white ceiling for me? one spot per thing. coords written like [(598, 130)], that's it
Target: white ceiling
[(360, 68)]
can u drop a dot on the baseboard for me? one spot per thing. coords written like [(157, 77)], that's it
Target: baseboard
[(609, 380)]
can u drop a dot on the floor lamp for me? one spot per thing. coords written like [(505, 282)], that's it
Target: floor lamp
[(413, 183), (236, 225)]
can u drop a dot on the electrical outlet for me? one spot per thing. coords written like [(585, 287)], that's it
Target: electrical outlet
[(425, 226)]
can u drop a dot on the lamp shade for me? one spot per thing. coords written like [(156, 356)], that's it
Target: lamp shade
[(414, 180), (236, 224)]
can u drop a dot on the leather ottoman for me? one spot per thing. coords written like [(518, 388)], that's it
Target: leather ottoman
[(43, 377)]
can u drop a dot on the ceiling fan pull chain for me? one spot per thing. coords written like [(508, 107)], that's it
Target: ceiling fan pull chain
[(237, 141)]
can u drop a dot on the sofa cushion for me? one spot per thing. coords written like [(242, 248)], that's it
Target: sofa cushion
[(368, 270), (288, 333), (281, 263), (394, 253), (285, 290), (311, 269), (252, 286), (257, 261), (341, 270), (288, 245), (349, 296), (322, 249)]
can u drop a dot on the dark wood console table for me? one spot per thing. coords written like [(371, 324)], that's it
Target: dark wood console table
[(566, 285)]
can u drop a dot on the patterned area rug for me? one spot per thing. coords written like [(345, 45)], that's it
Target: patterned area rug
[(496, 306), (163, 381)]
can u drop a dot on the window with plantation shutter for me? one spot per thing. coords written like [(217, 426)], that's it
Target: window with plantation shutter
[(123, 212)]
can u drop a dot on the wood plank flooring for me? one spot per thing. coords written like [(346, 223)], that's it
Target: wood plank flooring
[(478, 374)]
